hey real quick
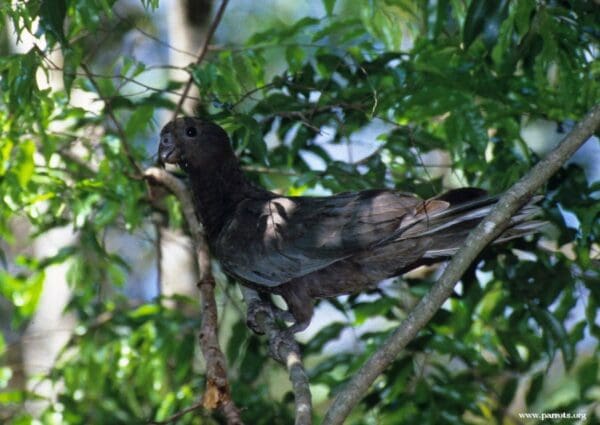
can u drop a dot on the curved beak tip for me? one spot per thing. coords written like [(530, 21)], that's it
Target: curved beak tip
[(167, 150)]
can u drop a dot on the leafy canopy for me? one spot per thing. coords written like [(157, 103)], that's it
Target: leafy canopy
[(445, 76)]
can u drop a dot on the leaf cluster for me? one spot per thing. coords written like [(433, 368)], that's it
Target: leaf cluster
[(362, 97)]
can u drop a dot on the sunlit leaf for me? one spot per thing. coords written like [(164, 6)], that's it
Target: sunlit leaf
[(24, 166)]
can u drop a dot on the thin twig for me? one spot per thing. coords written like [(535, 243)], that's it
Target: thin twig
[(112, 116), (201, 55), (127, 79), (483, 234), (158, 40), (249, 93), (173, 418)]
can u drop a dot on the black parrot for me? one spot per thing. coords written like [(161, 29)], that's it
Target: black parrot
[(304, 248)]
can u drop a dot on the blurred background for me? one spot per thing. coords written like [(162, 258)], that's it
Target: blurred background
[(99, 309)]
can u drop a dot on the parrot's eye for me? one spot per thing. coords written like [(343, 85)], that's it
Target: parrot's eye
[(191, 131)]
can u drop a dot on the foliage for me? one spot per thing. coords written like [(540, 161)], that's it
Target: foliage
[(471, 77)]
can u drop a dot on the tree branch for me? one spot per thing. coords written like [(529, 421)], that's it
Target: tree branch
[(201, 55), (482, 235), (217, 393), (286, 350)]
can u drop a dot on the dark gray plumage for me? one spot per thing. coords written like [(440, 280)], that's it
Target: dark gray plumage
[(304, 248)]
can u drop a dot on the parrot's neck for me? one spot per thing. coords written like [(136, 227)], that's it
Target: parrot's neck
[(218, 192)]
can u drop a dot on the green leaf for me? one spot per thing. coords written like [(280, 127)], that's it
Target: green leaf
[(33, 291), (21, 84), (369, 309), (492, 303), (587, 375), (24, 293), (166, 408), (251, 136), (384, 22), (61, 256), (239, 335), (328, 333), (474, 22), (508, 391), (285, 32), (484, 18), (6, 147), (329, 5), (83, 208), (145, 310), (441, 103), (508, 342), (5, 376), (535, 386), (342, 30), (13, 397), (554, 330), (107, 214), (295, 57), (24, 167), (252, 362), (139, 120), (524, 10), (52, 18), (72, 59)]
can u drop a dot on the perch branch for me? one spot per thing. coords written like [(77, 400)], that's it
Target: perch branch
[(201, 55), (288, 352), (483, 234), (217, 393)]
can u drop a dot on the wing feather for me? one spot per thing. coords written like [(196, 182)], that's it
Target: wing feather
[(270, 242)]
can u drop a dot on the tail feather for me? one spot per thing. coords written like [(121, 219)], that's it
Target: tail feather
[(449, 228)]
